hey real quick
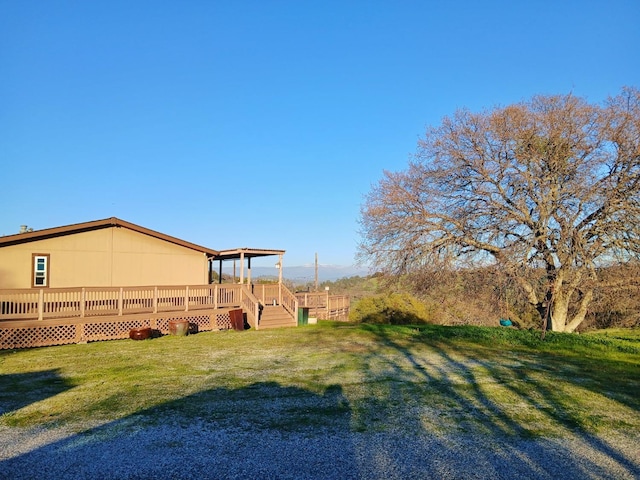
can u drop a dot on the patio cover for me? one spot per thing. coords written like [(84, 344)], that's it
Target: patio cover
[(248, 253)]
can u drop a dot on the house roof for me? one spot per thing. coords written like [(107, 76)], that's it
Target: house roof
[(95, 225), (246, 252)]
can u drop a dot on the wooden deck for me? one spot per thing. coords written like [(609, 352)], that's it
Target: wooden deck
[(57, 316), (41, 317)]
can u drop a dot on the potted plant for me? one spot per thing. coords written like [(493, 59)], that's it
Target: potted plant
[(179, 328), (141, 333)]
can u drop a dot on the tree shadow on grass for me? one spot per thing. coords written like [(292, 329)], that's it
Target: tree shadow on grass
[(417, 412), (17, 390), (455, 379)]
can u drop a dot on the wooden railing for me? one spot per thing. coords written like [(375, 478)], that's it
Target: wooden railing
[(276, 294), (52, 303), (289, 301), (325, 306), (58, 316), (250, 306), (267, 293), (47, 303), (339, 306)]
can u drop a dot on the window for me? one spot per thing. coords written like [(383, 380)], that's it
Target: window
[(40, 270)]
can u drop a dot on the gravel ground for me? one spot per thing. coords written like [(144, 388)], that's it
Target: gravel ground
[(129, 450)]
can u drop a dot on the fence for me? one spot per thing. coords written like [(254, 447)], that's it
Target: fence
[(324, 306)]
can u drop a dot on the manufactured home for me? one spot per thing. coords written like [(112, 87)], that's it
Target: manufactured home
[(102, 253), (98, 280)]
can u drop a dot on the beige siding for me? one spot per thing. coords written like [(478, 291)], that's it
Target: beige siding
[(105, 257), (15, 267), (143, 260)]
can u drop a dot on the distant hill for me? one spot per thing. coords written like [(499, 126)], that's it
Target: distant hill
[(306, 273)]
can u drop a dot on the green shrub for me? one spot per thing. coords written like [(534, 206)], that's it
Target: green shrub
[(391, 309)]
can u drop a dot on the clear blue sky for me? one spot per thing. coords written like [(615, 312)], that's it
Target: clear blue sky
[(265, 123)]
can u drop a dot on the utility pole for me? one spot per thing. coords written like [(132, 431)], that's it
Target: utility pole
[(316, 271)]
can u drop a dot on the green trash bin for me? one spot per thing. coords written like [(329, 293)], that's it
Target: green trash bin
[(303, 316)]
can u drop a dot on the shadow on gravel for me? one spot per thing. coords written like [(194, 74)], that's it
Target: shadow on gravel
[(264, 430), (22, 389)]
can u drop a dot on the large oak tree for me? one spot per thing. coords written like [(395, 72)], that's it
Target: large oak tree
[(547, 189)]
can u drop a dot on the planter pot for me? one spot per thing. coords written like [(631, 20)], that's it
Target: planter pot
[(179, 328), (141, 333)]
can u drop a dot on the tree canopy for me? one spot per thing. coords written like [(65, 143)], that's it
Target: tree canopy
[(547, 189)]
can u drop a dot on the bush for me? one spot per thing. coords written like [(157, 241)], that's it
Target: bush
[(391, 309)]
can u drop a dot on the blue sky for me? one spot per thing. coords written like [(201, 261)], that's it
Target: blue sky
[(265, 123)]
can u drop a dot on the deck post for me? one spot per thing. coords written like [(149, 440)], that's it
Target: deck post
[(326, 289), (40, 304), (186, 298), (83, 298), (155, 299), (120, 294)]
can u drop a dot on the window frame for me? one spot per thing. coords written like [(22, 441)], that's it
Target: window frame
[(47, 269)]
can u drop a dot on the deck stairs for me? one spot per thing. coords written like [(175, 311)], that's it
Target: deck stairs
[(275, 316)]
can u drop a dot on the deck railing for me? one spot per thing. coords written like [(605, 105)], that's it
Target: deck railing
[(276, 294), (267, 293), (325, 306), (289, 301), (47, 303), (250, 306), (339, 307), (58, 316)]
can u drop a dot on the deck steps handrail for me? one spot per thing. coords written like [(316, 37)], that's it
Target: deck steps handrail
[(276, 294), (251, 306)]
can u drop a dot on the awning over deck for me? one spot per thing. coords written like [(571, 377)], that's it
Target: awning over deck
[(247, 253)]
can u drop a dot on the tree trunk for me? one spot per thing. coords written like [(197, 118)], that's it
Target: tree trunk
[(559, 311), (554, 308), (579, 317), (558, 319)]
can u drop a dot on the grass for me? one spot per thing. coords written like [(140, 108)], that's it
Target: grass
[(335, 376)]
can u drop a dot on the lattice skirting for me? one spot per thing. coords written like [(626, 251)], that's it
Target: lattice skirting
[(38, 336), (113, 328)]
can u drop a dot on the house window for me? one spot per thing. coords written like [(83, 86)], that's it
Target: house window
[(40, 270)]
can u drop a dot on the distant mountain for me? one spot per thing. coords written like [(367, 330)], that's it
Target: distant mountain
[(306, 273)]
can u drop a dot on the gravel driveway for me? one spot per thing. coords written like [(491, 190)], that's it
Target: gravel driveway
[(127, 449)]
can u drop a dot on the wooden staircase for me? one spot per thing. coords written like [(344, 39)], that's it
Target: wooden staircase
[(276, 317)]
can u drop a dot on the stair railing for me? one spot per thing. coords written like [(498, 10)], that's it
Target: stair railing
[(251, 306), (289, 301)]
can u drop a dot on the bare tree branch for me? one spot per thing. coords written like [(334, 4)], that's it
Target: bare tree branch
[(552, 183)]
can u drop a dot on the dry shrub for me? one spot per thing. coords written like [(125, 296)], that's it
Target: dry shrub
[(391, 309)]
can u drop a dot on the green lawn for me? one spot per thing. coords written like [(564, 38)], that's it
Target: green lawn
[(336, 376)]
